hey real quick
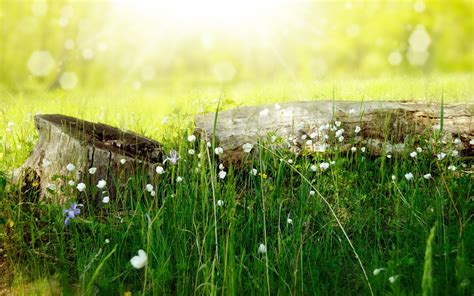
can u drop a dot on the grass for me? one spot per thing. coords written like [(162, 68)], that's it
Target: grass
[(325, 231)]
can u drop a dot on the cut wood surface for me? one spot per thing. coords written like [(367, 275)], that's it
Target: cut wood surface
[(380, 123), (63, 140)]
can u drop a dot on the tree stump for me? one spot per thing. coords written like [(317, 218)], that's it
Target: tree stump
[(383, 125), (64, 140)]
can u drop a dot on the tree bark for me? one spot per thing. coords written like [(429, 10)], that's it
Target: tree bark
[(384, 125), (64, 140)]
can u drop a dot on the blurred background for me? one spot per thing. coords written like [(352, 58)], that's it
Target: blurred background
[(69, 45)]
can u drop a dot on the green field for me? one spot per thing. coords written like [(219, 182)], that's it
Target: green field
[(332, 223)]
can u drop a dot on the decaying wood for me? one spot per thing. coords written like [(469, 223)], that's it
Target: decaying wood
[(380, 123), (64, 140)]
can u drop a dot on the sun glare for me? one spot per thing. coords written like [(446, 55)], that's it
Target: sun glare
[(189, 15)]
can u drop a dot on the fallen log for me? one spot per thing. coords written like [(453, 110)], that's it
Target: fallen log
[(63, 140), (383, 125)]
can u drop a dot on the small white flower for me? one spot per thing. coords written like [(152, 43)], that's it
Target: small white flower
[(312, 193), (309, 143), (199, 155), (221, 166), (303, 137), (471, 142), (220, 202), (393, 278), (51, 187), (264, 112), (332, 162), (81, 187), (254, 172), (363, 149), (273, 139), (394, 178), (354, 149), (92, 170), (123, 161), (71, 183), (107, 241), (191, 152), (454, 153), (222, 174), (340, 139), (262, 249), (101, 184), (191, 138), (46, 163), (419, 150), (153, 193), (149, 187), (427, 176), (313, 135), (219, 150), (357, 129), (378, 270), (290, 161), (457, 141), (339, 132), (179, 179), (337, 123), (324, 166), (139, 261), (10, 124), (352, 111), (289, 220), (441, 156), (208, 144), (389, 156), (159, 170), (70, 167), (413, 154), (247, 147), (313, 168), (409, 176), (105, 199), (277, 106), (452, 168)]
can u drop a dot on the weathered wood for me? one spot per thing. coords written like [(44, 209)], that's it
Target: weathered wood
[(64, 140), (380, 123)]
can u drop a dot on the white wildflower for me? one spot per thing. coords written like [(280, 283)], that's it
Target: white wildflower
[(313, 168), (81, 187), (409, 176), (71, 183), (393, 278), (303, 137), (46, 163), (159, 170), (92, 170), (457, 141), (290, 161), (219, 150), (101, 184), (149, 187), (123, 161), (264, 112), (262, 249), (363, 149), (254, 172), (324, 166), (191, 138), (107, 241), (427, 176), (454, 153), (313, 135), (70, 167), (105, 199), (339, 132), (273, 139), (354, 149), (222, 174), (139, 261), (337, 123), (452, 168), (357, 129), (312, 193), (389, 156), (179, 179), (394, 178), (208, 144), (191, 152), (378, 270), (247, 147), (220, 202), (441, 156), (51, 187), (413, 154), (471, 142), (340, 139), (419, 150)]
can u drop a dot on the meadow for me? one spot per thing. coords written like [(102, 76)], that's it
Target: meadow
[(320, 223)]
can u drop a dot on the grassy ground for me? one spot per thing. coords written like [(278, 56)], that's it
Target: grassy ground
[(358, 227)]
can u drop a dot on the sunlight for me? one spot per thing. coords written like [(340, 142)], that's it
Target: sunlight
[(189, 15)]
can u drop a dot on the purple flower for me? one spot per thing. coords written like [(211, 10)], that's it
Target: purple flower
[(72, 212), (173, 157)]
